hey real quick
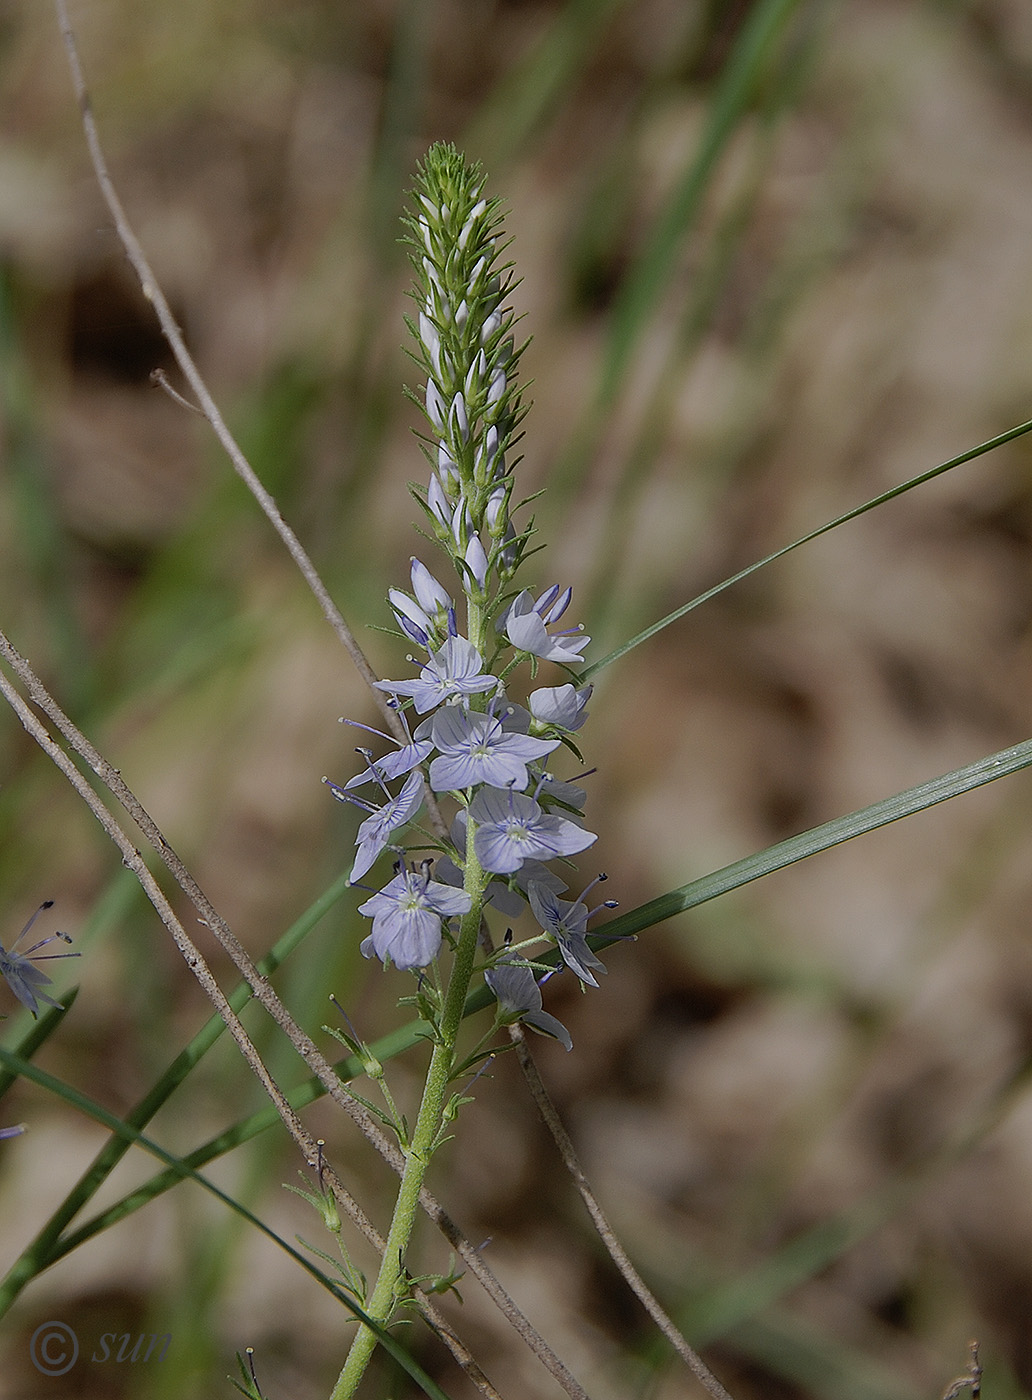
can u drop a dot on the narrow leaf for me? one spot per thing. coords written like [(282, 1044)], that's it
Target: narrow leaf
[(818, 838), (900, 490), (75, 1099)]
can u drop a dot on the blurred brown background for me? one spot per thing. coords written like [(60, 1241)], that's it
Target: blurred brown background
[(839, 1047)]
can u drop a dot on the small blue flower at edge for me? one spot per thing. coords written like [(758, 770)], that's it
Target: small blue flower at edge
[(25, 980)]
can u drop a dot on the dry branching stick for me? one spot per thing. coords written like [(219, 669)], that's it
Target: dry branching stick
[(970, 1380)]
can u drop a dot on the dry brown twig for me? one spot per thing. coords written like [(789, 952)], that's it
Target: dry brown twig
[(605, 1231), (970, 1380)]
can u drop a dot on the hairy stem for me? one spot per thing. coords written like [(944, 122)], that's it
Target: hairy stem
[(424, 1137)]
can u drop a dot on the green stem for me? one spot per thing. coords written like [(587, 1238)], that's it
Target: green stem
[(385, 1294)]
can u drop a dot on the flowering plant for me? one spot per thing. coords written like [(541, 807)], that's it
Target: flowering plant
[(471, 810), (474, 746)]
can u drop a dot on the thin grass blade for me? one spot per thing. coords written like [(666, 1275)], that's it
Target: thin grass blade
[(900, 490), (83, 1104)]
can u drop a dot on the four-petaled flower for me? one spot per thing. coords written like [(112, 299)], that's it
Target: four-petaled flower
[(26, 980), (512, 828), (407, 915), (375, 831), (566, 921), (474, 748), (526, 621), (519, 999), (453, 671)]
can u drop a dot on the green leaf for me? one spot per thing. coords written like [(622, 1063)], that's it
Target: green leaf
[(41, 1251), (818, 838), (900, 490)]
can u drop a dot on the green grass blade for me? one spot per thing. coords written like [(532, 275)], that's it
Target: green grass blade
[(40, 1252), (77, 1100), (653, 271), (523, 98), (900, 490), (38, 1033), (818, 838), (729, 877)]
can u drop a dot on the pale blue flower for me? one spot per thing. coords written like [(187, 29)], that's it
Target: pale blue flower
[(26, 980), (536, 870), (377, 829), (447, 470), (458, 418), (561, 706), (407, 915), (499, 525), (391, 765), (437, 502), (461, 525), (424, 617), (514, 717), (525, 622), (490, 466), (453, 671), (432, 596), (507, 900), (476, 373), (474, 748), (512, 828), (519, 998), (498, 894), (410, 617), (434, 405), (566, 921), (12, 1132)]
